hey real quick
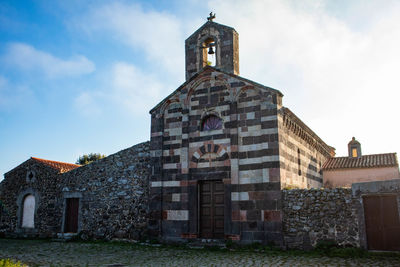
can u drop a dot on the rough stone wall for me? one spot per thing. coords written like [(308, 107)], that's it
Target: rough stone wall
[(43, 186), (243, 154), (320, 214), (302, 153), (113, 194)]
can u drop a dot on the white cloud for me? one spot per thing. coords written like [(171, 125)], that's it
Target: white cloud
[(135, 90), (27, 58), (87, 104), (13, 96), (337, 64), (340, 78), (125, 88), (158, 34)]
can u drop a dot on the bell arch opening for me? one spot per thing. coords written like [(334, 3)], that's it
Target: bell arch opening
[(209, 52)]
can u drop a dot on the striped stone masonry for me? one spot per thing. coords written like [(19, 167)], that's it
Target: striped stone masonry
[(243, 154), (302, 153)]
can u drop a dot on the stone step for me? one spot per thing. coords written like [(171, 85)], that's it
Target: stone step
[(64, 236), (200, 243)]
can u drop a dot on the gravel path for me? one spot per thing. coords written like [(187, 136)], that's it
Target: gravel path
[(46, 253)]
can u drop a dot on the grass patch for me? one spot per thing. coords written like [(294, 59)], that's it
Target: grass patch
[(11, 263)]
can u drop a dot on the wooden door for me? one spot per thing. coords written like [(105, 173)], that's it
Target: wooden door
[(382, 222), (212, 209), (71, 215)]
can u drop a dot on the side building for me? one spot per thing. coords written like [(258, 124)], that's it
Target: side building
[(357, 168), (105, 199), (30, 199)]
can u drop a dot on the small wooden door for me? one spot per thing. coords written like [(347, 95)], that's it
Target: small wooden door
[(71, 215), (382, 222), (212, 209)]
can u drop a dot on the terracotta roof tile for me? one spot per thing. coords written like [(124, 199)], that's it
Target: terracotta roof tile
[(366, 161), (60, 166)]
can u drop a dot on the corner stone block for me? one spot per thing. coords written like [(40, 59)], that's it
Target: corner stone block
[(177, 215), (274, 175), (243, 215), (235, 215), (272, 215)]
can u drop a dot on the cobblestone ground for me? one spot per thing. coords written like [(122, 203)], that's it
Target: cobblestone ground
[(46, 253)]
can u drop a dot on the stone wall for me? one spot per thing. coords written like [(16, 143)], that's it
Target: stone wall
[(320, 214), (302, 153), (17, 184), (113, 194)]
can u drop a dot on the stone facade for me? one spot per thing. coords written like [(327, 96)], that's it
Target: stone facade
[(316, 215), (243, 154), (42, 184), (253, 152), (112, 195)]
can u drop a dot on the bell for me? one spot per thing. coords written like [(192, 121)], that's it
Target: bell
[(210, 50)]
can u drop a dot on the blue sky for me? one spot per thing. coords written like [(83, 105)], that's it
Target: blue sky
[(79, 77)]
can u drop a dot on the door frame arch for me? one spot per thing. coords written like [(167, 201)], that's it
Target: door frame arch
[(20, 205)]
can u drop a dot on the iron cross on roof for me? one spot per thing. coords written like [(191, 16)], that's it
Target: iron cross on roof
[(211, 17)]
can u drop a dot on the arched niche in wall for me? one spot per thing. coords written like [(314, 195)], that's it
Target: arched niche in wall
[(28, 211), (30, 176), (28, 202)]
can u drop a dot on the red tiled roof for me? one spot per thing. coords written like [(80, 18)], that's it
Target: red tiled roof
[(60, 166), (366, 161)]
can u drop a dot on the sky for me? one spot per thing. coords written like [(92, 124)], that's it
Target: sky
[(79, 77)]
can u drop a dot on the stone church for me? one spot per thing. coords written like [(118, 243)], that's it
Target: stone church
[(223, 147), (226, 161)]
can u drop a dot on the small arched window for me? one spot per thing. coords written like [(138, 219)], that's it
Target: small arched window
[(28, 212), (211, 122)]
